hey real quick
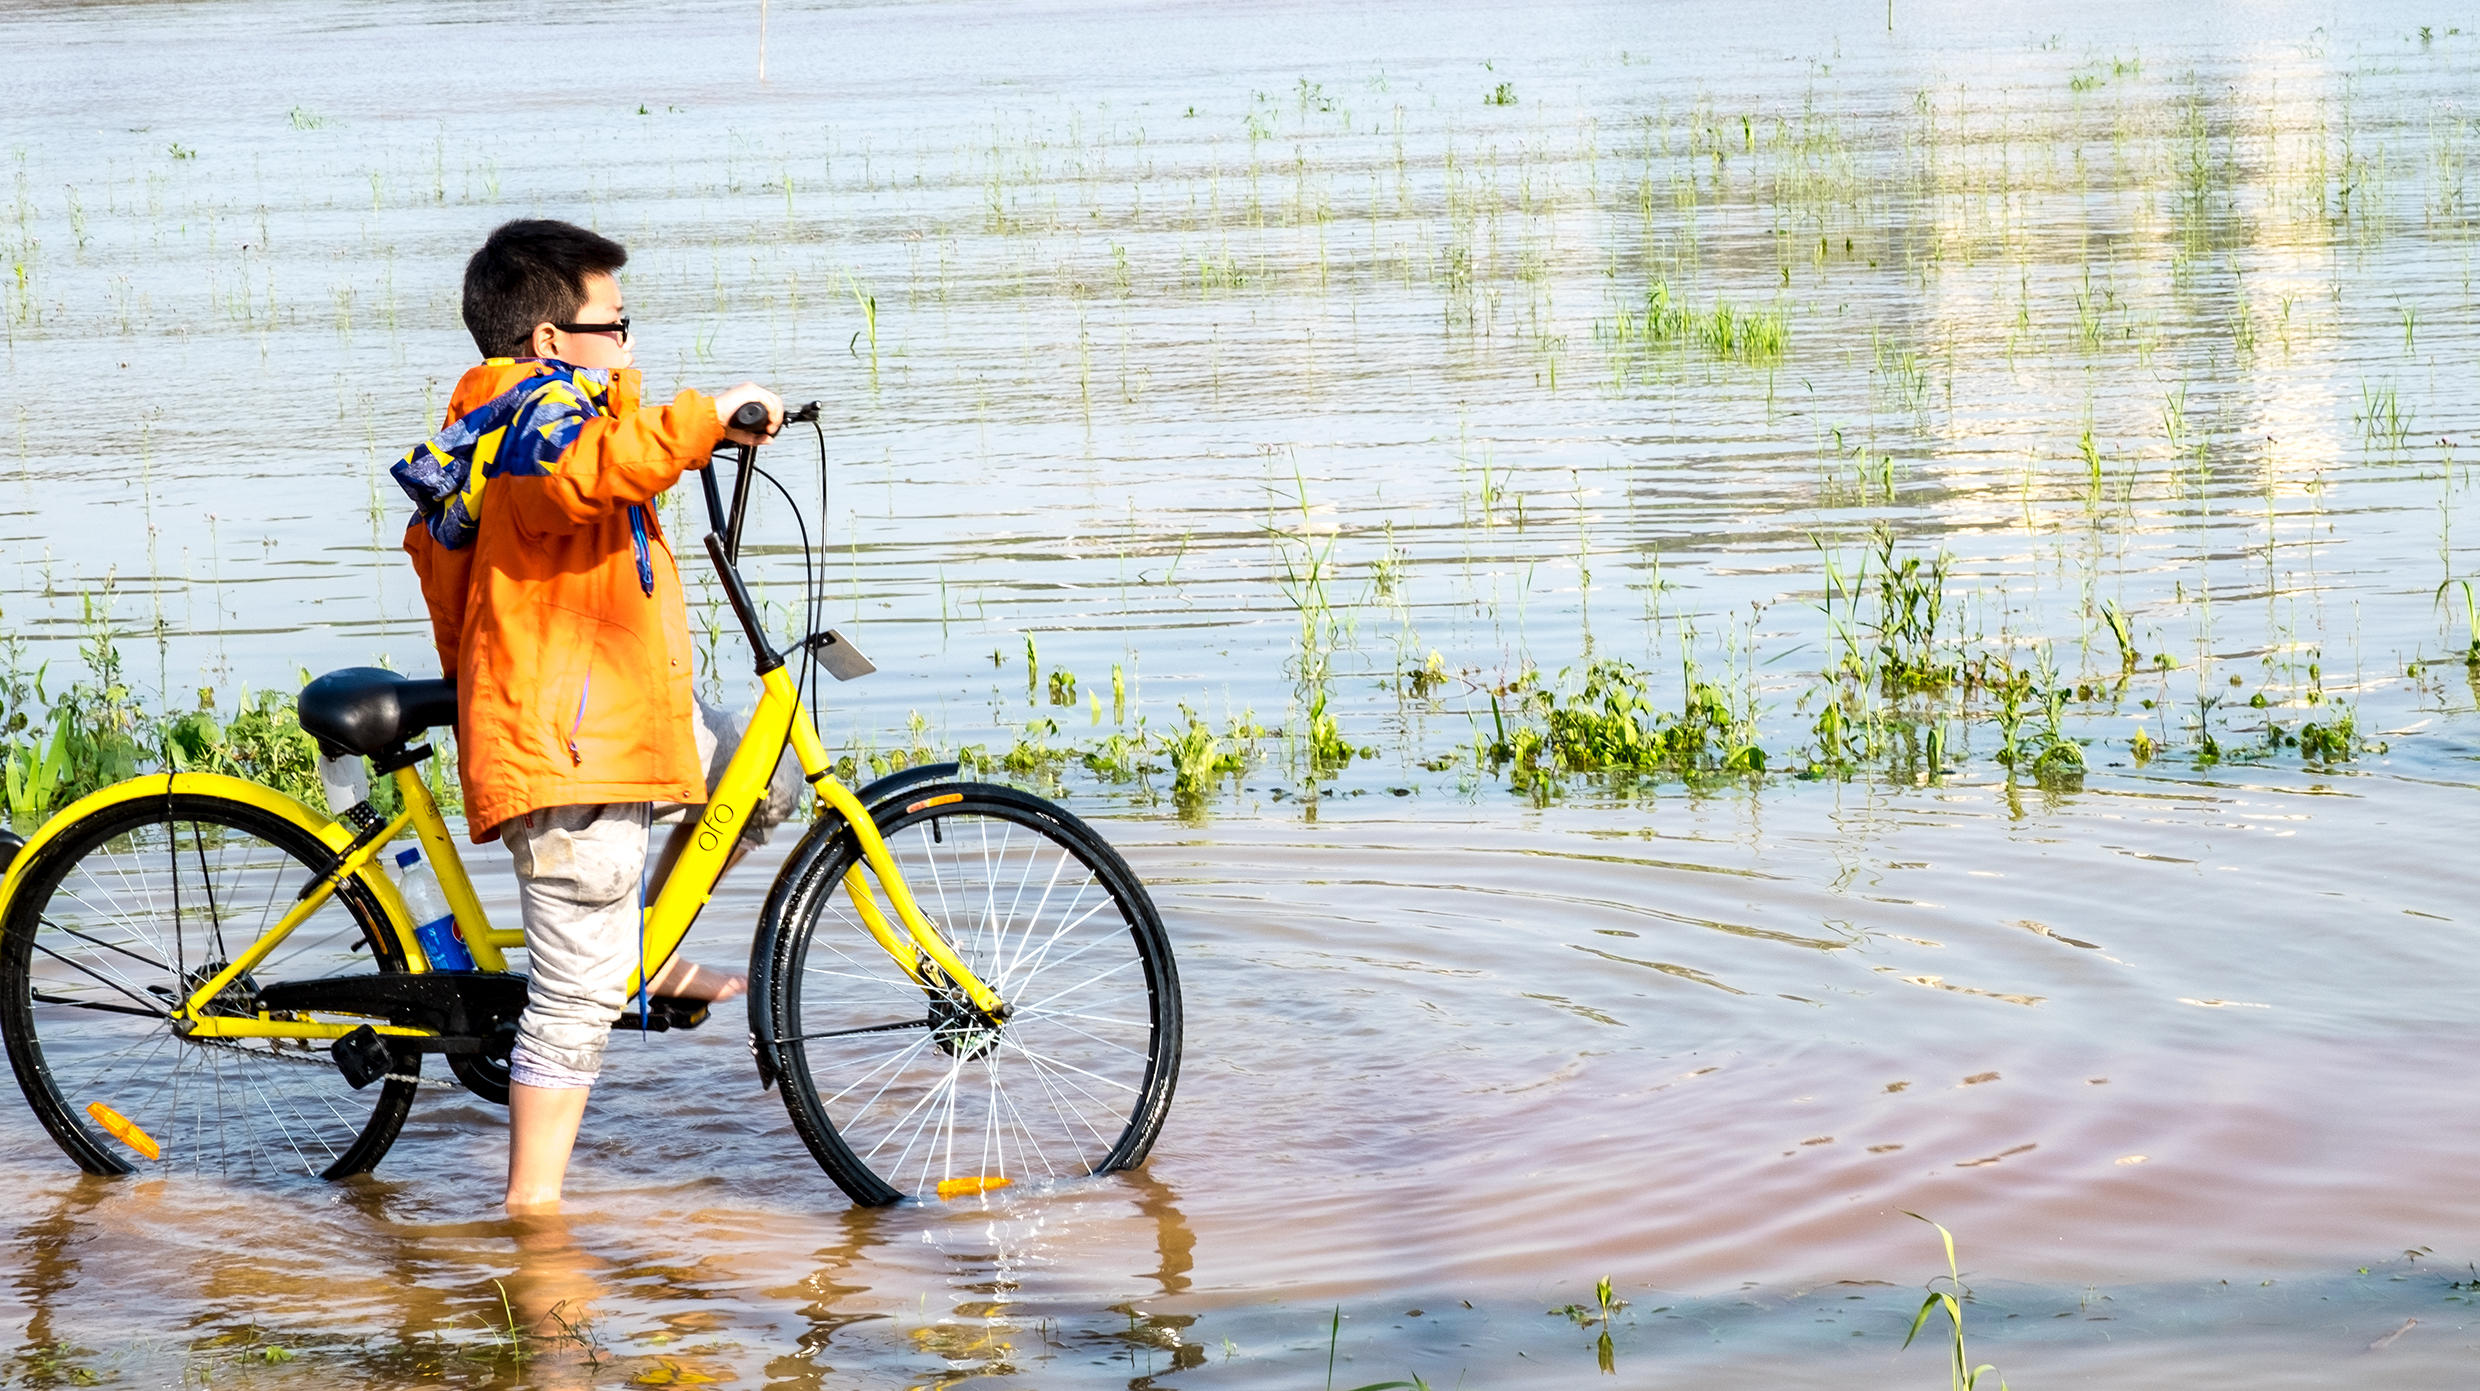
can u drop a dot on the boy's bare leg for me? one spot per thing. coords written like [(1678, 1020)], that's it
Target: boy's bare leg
[(680, 977), (542, 1129)]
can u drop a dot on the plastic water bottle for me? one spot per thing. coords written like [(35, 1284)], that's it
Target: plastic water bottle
[(437, 931)]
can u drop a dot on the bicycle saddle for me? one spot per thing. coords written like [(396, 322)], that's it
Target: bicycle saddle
[(372, 711)]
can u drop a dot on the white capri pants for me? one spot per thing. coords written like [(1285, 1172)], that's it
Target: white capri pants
[(580, 872)]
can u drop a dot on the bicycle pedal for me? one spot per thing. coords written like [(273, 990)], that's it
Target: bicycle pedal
[(665, 1013), (361, 1057)]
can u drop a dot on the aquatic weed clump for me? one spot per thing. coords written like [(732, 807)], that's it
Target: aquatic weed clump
[(1892, 634), (1609, 724), (1754, 337), (2333, 740), (2054, 760), (1199, 761), (1328, 750), (1911, 597)]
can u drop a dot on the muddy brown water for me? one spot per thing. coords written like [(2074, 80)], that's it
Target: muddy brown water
[(2167, 309)]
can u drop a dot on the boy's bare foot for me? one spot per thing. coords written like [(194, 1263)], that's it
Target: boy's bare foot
[(683, 979)]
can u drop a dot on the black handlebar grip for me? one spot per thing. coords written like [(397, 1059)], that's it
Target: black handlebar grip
[(751, 416)]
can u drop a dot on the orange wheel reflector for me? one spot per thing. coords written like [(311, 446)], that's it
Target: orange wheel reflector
[(937, 802), (979, 1183), (127, 1132)]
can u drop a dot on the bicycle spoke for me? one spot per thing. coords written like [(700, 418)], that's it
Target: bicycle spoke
[(100, 979), (65, 1002), (1024, 1129), (1095, 1037), (895, 1062), (1068, 1115), (864, 1029), (1104, 974), (934, 1094), (109, 946)]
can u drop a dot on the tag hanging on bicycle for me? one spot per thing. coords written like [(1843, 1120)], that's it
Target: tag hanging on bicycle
[(836, 653)]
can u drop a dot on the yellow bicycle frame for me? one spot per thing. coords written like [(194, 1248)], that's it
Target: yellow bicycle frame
[(917, 947)]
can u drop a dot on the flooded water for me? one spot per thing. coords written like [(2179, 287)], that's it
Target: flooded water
[(1255, 354)]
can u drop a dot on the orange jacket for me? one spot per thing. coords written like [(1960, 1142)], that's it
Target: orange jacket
[(573, 681)]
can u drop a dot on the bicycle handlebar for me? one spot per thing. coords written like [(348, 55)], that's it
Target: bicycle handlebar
[(752, 416)]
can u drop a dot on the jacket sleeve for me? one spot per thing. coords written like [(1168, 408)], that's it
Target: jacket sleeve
[(446, 579), (613, 462)]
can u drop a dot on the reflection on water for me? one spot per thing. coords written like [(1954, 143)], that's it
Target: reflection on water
[(594, 1303), (2136, 314)]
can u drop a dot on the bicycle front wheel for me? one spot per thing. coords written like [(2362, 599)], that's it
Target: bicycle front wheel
[(897, 1085), (125, 914)]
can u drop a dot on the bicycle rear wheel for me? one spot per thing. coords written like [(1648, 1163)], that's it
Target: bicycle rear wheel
[(897, 1086), (122, 916)]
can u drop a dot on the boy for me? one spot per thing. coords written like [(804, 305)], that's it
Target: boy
[(556, 603)]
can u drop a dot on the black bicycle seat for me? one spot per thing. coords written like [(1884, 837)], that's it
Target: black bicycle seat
[(372, 711)]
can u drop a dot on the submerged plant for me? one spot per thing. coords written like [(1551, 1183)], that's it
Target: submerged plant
[(2331, 741), (2059, 763), (1328, 750), (2471, 616), (1428, 678), (1198, 760), (1609, 724), (2208, 748), (2124, 633), (1965, 1375), (508, 1327), (1757, 337), (1911, 597), (1032, 754), (1117, 758)]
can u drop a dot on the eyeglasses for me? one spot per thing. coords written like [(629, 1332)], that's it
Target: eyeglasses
[(619, 329)]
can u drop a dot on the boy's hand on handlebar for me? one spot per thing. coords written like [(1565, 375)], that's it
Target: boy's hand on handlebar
[(730, 403)]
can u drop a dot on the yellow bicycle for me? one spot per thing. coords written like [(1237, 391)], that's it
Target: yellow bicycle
[(957, 985)]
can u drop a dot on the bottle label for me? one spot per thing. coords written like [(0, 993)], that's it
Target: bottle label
[(444, 944)]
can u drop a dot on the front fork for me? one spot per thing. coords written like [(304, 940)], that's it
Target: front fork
[(920, 949)]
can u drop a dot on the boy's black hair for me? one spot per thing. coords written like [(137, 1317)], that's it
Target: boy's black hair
[(531, 271)]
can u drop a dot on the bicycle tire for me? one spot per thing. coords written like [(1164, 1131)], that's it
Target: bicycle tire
[(893, 1106), (127, 910)]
